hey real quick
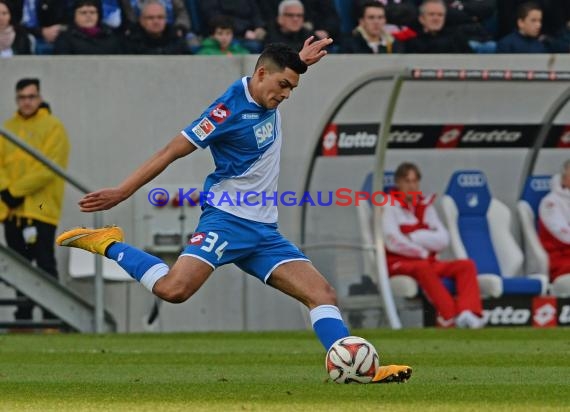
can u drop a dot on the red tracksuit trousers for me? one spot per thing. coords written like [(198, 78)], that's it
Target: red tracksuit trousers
[(428, 274)]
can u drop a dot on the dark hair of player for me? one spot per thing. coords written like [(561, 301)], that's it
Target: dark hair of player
[(278, 57)]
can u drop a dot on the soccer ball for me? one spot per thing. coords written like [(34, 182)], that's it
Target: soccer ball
[(352, 359)]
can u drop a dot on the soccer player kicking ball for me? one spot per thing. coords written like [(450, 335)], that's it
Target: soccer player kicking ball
[(242, 128)]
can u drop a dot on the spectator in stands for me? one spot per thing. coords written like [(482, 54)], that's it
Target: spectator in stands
[(177, 15), (554, 223), (45, 19), (289, 25), (32, 194), (555, 14), (13, 38), (152, 35), (86, 34), (401, 17), (221, 40), (468, 17), (398, 12), (249, 26), (414, 235), (320, 16), (432, 36), (370, 35), (526, 39)]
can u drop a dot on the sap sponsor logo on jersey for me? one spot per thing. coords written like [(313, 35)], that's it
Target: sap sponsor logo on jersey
[(265, 131), (220, 113), (471, 180), (204, 128)]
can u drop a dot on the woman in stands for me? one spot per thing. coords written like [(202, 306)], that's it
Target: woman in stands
[(86, 34), (13, 39)]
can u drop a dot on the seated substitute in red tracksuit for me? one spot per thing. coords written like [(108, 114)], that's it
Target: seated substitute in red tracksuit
[(554, 224), (413, 235)]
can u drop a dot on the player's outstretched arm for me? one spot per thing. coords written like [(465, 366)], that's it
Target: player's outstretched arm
[(107, 198), (313, 51)]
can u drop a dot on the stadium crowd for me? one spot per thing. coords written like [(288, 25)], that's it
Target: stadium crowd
[(245, 26)]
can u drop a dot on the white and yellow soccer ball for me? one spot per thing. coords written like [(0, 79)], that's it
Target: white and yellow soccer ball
[(352, 359)]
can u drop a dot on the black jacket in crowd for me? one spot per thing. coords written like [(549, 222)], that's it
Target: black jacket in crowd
[(293, 40), (245, 14), (74, 41), (445, 41), (468, 16), (21, 43), (49, 12), (139, 42)]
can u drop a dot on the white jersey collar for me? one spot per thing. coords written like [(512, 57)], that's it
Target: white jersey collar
[(245, 81)]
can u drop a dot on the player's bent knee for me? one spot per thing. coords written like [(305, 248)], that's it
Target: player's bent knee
[(325, 296), (176, 297), (331, 294), (172, 294)]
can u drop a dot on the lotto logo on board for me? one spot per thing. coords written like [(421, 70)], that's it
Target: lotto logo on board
[(544, 312), (220, 113), (450, 137), (330, 140)]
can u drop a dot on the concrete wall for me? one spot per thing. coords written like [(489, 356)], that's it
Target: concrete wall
[(119, 110)]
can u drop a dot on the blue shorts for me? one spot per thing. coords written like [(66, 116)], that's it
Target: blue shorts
[(256, 248)]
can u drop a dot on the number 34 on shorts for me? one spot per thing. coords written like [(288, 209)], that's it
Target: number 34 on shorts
[(209, 242)]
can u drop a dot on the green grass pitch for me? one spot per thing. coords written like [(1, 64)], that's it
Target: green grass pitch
[(454, 370)]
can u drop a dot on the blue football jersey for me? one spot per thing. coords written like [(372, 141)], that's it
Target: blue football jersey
[(245, 141)]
